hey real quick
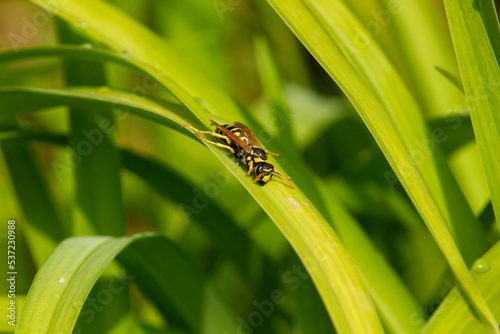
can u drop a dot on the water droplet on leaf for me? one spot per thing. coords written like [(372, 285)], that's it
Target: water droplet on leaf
[(481, 266)]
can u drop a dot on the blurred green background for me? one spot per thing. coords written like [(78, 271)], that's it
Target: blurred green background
[(173, 185)]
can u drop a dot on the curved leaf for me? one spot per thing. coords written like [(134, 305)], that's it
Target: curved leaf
[(153, 262), (83, 52), (327, 29), (63, 283), (16, 100), (375, 270), (329, 264), (453, 314), (480, 72)]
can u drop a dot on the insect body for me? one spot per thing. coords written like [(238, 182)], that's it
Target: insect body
[(241, 142), (246, 147)]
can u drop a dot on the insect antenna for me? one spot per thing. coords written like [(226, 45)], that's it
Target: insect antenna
[(286, 179)]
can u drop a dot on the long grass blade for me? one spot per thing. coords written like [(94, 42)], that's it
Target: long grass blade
[(59, 291), (471, 26), (453, 315), (384, 123), (329, 264)]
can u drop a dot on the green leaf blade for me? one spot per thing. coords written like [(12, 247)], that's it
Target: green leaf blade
[(61, 287), (337, 279), (480, 72), (454, 315), (59, 291), (386, 127)]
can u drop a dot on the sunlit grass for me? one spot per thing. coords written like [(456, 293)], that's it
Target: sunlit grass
[(391, 205)]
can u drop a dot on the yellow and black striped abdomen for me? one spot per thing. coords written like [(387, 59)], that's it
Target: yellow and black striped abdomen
[(236, 131), (239, 152)]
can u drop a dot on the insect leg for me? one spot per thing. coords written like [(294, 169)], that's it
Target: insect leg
[(199, 133), (250, 167), (258, 177)]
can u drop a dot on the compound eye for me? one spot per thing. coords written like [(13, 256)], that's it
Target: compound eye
[(259, 169)]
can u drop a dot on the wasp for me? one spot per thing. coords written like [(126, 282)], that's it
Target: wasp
[(243, 145)]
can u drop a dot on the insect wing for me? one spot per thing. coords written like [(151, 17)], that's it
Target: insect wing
[(234, 138), (248, 133)]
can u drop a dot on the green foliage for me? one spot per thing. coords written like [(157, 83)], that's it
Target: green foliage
[(389, 226)]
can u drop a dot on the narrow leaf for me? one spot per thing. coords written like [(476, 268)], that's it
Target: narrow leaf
[(59, 291), (329, 264), (480, 72), (334, 28), (453, 315)]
